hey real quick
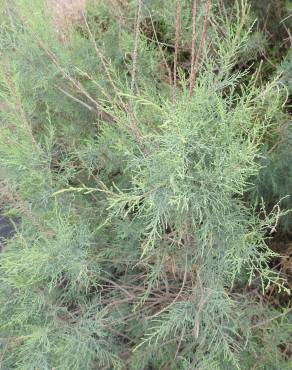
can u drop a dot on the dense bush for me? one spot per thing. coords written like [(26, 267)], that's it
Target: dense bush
[(136, 153)]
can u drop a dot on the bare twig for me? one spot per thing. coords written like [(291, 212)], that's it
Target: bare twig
[(194, 36), (77, 84), (105, 116), (177, 296), (89, 107), (18, 106), (136, 44), (104, 64), (161, 52), (119, 286), (200, 307), (262, 323), (194, 67), (180, 342), (176, 47), (134, 129)]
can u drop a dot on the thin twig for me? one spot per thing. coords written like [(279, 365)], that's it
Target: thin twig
[(134, 129), (136, 44), (161, 52), (89, 107), (130, 295), (18, 106), (198, 56), (200, 307), (178, 295), (102, 59), (180, 342), (176, 47), (77, 84), (194, 37), (102, 113), (258, 72), (262, 323)]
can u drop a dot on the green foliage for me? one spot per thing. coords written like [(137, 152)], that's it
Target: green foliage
[(134, 238), (274, 180), (285, 70)]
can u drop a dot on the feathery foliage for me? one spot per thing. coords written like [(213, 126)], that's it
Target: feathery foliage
[(131, 167)]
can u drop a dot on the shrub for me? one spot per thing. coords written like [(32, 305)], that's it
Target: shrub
[(128, 160)]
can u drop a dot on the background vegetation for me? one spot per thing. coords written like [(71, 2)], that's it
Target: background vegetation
[(146, 168)]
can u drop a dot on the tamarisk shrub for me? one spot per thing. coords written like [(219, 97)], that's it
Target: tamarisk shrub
[(128, 173)]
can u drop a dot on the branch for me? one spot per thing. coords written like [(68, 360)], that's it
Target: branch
[(161, 52), (194, 68), (194, 36), (135, 52), (177, 36)]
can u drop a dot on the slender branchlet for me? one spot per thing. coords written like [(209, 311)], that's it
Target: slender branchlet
[(194, 36), (195, 62), (136, 43), (167, 67), (176, 47)]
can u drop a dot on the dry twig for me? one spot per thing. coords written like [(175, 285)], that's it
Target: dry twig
[(135, 52), (176, 47), (195, 62)]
